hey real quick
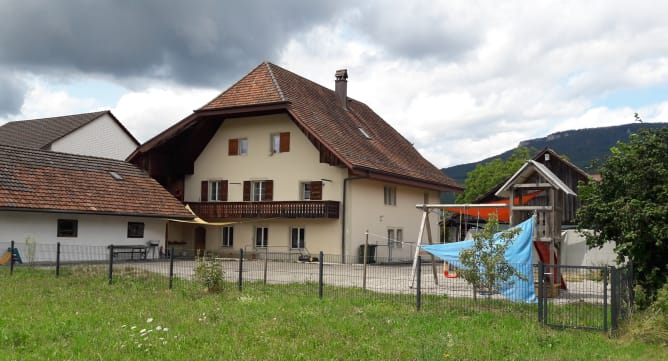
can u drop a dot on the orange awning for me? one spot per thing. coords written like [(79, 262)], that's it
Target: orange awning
[(503, 212)]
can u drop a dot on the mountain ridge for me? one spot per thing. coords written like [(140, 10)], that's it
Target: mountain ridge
[(580, 146)]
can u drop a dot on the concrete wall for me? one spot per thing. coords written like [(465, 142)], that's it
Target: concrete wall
[(101, 137), (575, 251), (93, 232)]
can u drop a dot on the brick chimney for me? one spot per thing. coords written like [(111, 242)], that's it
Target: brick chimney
[(341, 87)]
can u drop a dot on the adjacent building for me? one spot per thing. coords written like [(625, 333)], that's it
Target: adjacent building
[(97, 134), (50, 197)]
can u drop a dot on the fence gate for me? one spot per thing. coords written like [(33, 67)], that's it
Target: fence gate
[(595, 298)]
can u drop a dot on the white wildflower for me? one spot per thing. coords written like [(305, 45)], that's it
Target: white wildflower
[(158, 328), (149, 320)]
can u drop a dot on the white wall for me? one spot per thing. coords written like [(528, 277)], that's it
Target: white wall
[(94, 234), (101, 137), (575, 251), (287, 170), (368, 212)]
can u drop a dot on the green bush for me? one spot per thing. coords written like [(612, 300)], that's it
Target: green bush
[(209, 272)]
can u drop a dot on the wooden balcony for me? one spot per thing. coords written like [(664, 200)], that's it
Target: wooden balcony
[(280, 209)]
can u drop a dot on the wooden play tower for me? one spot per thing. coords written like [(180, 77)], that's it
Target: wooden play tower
[(531, 178)]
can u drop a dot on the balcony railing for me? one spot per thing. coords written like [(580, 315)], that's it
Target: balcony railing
[(282, 209)]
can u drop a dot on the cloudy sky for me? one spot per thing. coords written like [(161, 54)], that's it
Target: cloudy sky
[(462, 80)]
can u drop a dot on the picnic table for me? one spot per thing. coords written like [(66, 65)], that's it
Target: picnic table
[(133, 249)]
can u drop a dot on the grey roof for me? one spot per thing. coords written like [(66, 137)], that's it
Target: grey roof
[(525, 173), (41, 133)]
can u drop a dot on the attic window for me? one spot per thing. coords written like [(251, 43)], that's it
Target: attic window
[(364, 133), (115, 175)]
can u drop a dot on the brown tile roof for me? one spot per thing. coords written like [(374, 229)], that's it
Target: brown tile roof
[(41, 133), (318, 112), (37, 180)]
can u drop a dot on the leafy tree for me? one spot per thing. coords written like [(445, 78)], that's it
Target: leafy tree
[(484, 177), (484, 264), (629, 206)]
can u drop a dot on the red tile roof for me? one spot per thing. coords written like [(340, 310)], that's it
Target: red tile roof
[(41, 133), (37, 180), (317, 111)]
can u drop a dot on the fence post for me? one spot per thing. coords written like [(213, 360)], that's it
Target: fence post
[(11, 258), (605, 298), (615, 303), (418, 296), (541, 312), (57, 259), (241, 267), (320, 275), (111, 263), (364, 260), (171, 268), (266, 260)]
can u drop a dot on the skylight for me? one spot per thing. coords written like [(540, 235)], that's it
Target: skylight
[(364, 133), (115, 175)]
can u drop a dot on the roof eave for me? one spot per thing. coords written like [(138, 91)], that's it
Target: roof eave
[(119, 214), (404, 180)]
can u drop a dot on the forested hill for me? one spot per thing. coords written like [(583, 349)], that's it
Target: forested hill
[(581, 146)]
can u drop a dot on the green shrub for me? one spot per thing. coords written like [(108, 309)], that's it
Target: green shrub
[(209, 272)]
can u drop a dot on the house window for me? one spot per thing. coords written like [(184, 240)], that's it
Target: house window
[(261, 237), (237, 146), (280, 142), (227, 236), (68, 227), (214, 191), (311, 191), (135, 229), (390, 196), (395, 237), (258, 191), (297, 238)]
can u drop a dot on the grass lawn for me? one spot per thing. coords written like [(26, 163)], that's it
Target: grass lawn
[(83, 318)]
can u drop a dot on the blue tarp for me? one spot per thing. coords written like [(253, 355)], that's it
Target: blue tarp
[(518, 255)]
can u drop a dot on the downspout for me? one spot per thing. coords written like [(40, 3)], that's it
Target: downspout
[(343, 221)]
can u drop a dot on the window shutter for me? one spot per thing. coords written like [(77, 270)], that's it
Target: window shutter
[(285, 142), (233, 147), (223, 191), (269, 190), (247, 191), (205, 191), (316, 191)]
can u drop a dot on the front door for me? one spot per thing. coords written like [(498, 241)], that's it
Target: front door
[(200, 240)]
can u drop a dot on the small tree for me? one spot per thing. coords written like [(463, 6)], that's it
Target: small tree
[(209, 272), (484, 265)]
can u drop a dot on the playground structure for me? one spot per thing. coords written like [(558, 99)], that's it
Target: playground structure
[(533, 190), (7, 257)]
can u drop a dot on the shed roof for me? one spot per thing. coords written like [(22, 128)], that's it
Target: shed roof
[(46, 181)]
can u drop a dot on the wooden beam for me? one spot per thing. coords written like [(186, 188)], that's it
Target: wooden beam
[(532, 208), (533, 185)]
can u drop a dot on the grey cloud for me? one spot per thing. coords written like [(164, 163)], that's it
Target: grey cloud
[(192, 42), (12, 94), (418, 32)]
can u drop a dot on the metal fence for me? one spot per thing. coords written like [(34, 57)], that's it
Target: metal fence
[(591, 297)]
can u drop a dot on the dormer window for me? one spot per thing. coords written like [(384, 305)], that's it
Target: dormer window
[(364, 133)]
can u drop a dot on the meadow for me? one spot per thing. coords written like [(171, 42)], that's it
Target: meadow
[(79, 316)]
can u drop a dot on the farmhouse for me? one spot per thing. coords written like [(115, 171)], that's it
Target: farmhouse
[(52, 197), (293, 167), (97, 134)]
